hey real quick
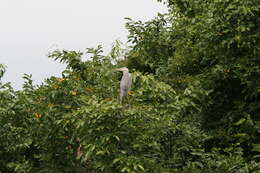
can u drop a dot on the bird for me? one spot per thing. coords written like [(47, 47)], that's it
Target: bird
[(125, 83)]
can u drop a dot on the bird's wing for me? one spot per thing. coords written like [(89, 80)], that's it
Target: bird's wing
[(126, 82)]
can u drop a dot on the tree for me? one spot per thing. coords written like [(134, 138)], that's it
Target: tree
[(193, 106)]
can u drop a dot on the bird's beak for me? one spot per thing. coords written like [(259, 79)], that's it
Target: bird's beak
[(117, 69)]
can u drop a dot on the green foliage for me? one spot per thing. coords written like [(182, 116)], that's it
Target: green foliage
[(151, 44), (193, 106), (2, 70)]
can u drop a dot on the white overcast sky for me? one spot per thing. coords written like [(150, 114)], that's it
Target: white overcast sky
[(30, 28)]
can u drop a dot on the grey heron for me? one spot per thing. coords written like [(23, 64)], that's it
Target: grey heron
[(125, 83)]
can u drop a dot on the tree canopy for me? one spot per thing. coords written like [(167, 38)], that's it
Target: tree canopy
[(194, 104)]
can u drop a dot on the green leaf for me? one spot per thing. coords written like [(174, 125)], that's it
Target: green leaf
[(241, 121), (256, 147)]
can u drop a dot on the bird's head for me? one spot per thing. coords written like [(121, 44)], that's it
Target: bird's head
[(121, 69)]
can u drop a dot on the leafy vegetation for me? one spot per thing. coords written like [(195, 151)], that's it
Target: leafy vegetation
[(194, 104)]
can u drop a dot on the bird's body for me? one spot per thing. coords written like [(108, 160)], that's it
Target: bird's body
[(125, 83)]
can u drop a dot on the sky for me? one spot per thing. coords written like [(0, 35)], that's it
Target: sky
[(29, 29)]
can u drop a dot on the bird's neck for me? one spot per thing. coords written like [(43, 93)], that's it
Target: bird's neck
[(125, 72)]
